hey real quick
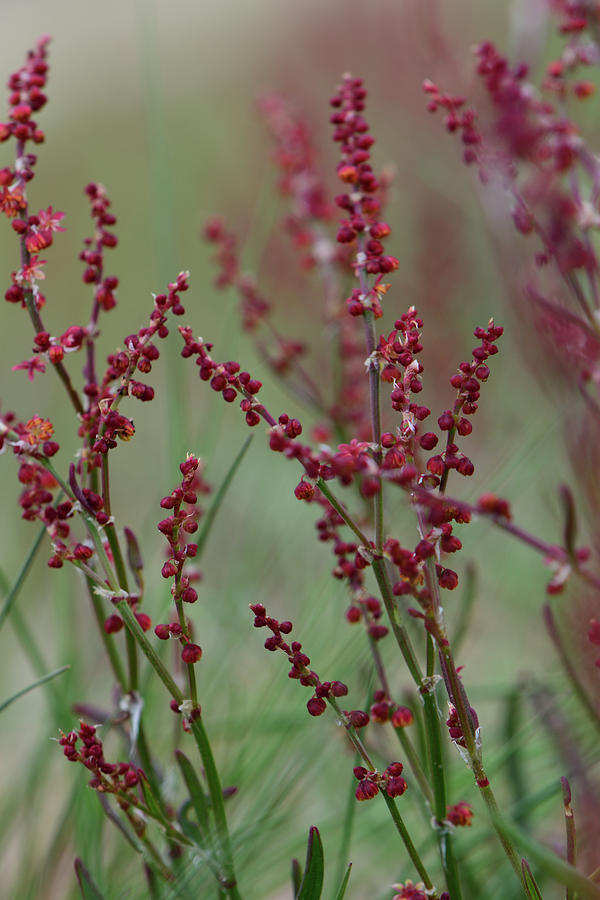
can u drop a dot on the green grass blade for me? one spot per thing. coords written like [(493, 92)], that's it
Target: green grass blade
[(87, 886), (314, 870), (14, 591), (552, 866), (219, 497), (296, 876), (342, 889), (30, 687), (531, 888), (197, 796)]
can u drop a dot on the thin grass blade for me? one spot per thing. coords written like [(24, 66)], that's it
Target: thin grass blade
[(30, 687)]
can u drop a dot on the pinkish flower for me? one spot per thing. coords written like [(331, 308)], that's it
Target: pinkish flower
[(33, 365)]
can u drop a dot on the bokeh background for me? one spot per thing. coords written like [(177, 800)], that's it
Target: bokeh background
[(156, 100)]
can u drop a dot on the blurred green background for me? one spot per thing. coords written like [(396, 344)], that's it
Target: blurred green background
[(156, 101)]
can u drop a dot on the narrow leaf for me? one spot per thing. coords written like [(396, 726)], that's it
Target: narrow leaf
[(296, 877), (548, 862), (18, 584), (209, 518), (188, 827), (514, 758), (312, 880), (30, 687), (129, 836), (342, 889), (197, 795), (531, 888), (87, 886), (569, 827), (152, 803)]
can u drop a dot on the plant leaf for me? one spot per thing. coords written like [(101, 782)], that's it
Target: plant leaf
[(209, 518), (296, 876), (151, 802), (549, 862), (312, 880), (30, 687), (342, 889), (197, 795), (531, 888), (87, 886), (18, 584)]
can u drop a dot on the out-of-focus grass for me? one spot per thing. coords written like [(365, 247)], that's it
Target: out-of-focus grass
[(155, 101)]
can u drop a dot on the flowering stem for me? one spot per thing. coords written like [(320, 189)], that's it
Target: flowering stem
[(228, 879), (460, 702), (400, 632), (322, 485), (148, 650), (415, 764), (374, 404), (107, 639), (390, 802), (385, 587), (410, 847), (184, 627)]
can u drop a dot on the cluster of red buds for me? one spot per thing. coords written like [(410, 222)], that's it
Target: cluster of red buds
[(299, 667), (107, 778), (529, 132), (455, 728), (93, 254), (460, 815), (409, 891), (467, 382), (385, 710), (370, 783), (182, 504), (114, 623), (26, 98), (295, 156), (101, 423), (362, 207)]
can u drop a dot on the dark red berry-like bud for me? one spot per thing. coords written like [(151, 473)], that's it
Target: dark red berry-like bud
[(113, 624), (358, 718), (191, 653), (316, 706), (366, 790), (402, 717)]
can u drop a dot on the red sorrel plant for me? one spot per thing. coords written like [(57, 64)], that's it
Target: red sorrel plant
[(373, 442)]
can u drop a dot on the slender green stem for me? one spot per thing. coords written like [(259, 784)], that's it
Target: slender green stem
[(115, 546), (375, 408), (229, 881), (415, 764), (410, 847), (107, 639), (438, 780), (148, 650), (460, 701), (398, 629), (339, 508)]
